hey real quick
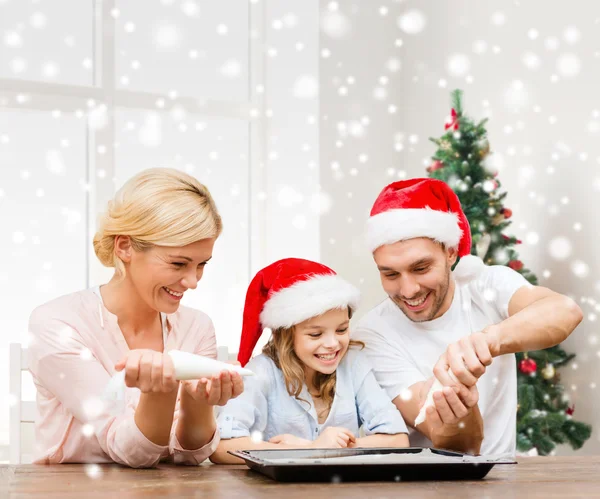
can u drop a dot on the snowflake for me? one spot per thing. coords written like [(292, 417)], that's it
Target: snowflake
[(498, 18), (93, 407), (305, 87), (335, 25), (480, 47), (406, 395), (532, 238), (93, 470), (321, 203), (551, 43), (190, 8), (87, 430), (571, 35), (13, 39), (379, 93), (560, 248), (412, 22), (531, 60), (580, 269), (568, 65)]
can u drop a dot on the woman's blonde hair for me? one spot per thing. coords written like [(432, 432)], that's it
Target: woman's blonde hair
[(280, 349), (156, 207)]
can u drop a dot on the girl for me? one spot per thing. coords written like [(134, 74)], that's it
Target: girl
[(313, 387), (158, 234)]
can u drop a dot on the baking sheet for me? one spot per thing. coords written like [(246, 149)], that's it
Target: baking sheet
[(398, 464)]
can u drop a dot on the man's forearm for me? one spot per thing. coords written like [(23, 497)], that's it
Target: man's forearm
[(544, 323)]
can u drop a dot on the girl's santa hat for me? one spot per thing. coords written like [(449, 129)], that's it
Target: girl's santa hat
[(288, 292), (423, 207)]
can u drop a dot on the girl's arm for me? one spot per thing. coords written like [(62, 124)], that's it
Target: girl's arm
[(246, 443), (382, 440)]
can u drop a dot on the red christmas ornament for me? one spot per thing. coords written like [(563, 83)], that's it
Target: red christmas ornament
[(570, 410), (453, 123), (507, 212), (505, 237), (436, 165), (515, 264), (518, 241), (528, 366)]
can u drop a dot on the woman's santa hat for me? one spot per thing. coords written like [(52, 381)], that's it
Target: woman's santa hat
[(423, 207), (288, 292)]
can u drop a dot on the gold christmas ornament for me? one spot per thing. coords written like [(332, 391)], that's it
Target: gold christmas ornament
[(499, 218), (484, 148), (445, 145), (548, 372)]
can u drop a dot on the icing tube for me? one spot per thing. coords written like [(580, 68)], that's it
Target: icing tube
[(435, 387), (191, 366), (187, 366)]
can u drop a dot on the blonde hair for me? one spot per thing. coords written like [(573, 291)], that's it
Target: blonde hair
[(280, 349), (156, 207)]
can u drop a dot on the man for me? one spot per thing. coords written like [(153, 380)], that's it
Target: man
[(436, 321)]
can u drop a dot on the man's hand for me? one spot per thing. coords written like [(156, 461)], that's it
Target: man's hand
[(451, 405), (467, 359), (454, 422)]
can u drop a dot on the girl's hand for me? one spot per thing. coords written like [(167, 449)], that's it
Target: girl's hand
[(288, 439), (217, 390), (335, 438), (148, 370)]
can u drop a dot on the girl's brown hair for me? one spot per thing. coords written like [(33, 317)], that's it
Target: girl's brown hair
[(280, 349)]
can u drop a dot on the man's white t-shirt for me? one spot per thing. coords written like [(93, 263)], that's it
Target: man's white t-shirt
[(403, 352)]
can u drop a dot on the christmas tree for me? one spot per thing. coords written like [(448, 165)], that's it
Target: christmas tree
[(544, 418)]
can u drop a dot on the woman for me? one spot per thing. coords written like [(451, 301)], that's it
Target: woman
[(158, 234)]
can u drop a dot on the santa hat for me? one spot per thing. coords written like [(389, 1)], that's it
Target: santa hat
[(288, 292), (423, 207)]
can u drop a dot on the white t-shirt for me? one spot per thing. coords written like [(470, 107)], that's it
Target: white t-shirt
[(403, 352)]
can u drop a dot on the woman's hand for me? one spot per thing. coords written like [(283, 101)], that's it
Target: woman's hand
[(217, 390), (148, 370)]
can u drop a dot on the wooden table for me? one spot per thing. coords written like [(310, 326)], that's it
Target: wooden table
[(533, 477)]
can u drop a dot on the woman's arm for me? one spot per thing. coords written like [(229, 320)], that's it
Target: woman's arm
[(197, 425), (57, 365)]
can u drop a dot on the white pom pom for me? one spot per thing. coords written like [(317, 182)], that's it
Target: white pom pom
[(468, 268)]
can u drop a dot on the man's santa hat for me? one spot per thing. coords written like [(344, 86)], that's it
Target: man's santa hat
[(288, 292), (423, 207)]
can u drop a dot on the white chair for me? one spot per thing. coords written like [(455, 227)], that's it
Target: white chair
[(21, 411), (222, 354)]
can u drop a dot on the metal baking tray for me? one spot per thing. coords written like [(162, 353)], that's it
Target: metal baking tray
[(382, 464)]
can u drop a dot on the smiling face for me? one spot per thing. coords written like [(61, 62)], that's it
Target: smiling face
[(416, 275), (321, 342), (161, 275)]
